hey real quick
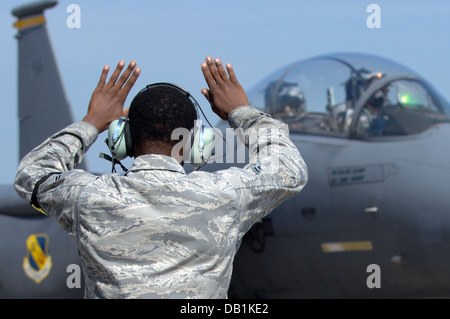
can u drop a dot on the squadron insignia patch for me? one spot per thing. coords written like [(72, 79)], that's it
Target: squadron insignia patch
[(37, 263)]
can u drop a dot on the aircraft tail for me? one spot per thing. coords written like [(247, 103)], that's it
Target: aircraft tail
[(43, 105)]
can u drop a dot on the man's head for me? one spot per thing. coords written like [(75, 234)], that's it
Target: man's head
[(155, 113)]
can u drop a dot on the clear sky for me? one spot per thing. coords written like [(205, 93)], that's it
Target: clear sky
[(170, 39)]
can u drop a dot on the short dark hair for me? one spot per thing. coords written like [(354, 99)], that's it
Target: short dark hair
[(156, 112)]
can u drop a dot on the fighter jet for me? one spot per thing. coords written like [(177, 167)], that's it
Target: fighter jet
[(372, 221)]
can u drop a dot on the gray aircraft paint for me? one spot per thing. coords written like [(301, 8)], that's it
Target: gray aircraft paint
[(43, 109)]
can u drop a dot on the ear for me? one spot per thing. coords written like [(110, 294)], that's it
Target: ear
[(181, 156), (178, 151)]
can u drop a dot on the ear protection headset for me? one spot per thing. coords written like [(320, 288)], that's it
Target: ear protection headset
[(120, 143)]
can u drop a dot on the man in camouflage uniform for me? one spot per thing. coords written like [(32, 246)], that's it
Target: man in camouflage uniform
[(158, 232)]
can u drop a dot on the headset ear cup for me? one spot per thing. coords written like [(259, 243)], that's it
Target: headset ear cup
[(202, 146), (116, 139), (128, 139)]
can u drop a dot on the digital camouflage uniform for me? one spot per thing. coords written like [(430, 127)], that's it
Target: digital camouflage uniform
[(157, 232)]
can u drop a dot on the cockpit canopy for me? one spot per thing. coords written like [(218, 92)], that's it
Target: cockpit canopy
[(350, 95)]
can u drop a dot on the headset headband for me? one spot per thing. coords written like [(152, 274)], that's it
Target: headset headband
[(174, 86)]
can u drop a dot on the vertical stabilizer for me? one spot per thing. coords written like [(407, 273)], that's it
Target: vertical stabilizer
[(43, 105)]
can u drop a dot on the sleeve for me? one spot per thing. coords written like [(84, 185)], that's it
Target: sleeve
[(276, 170), (47, 178)]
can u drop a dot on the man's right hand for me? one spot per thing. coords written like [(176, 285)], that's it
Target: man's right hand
[(106, 104), (225, 92)]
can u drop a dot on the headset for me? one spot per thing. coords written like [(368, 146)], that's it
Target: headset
[(201, 144)]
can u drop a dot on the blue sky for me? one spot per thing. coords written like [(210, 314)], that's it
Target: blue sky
[(170, 39)]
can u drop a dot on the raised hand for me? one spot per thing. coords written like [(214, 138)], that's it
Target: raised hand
[(106, 104), (225, 92)]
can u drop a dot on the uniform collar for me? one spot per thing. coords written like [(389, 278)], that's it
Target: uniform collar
[(156, 162)]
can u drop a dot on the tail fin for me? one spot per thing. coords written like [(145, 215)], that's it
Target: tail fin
[(43, 105)]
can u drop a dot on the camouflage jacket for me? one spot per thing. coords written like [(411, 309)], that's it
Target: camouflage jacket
[(157, 232)]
